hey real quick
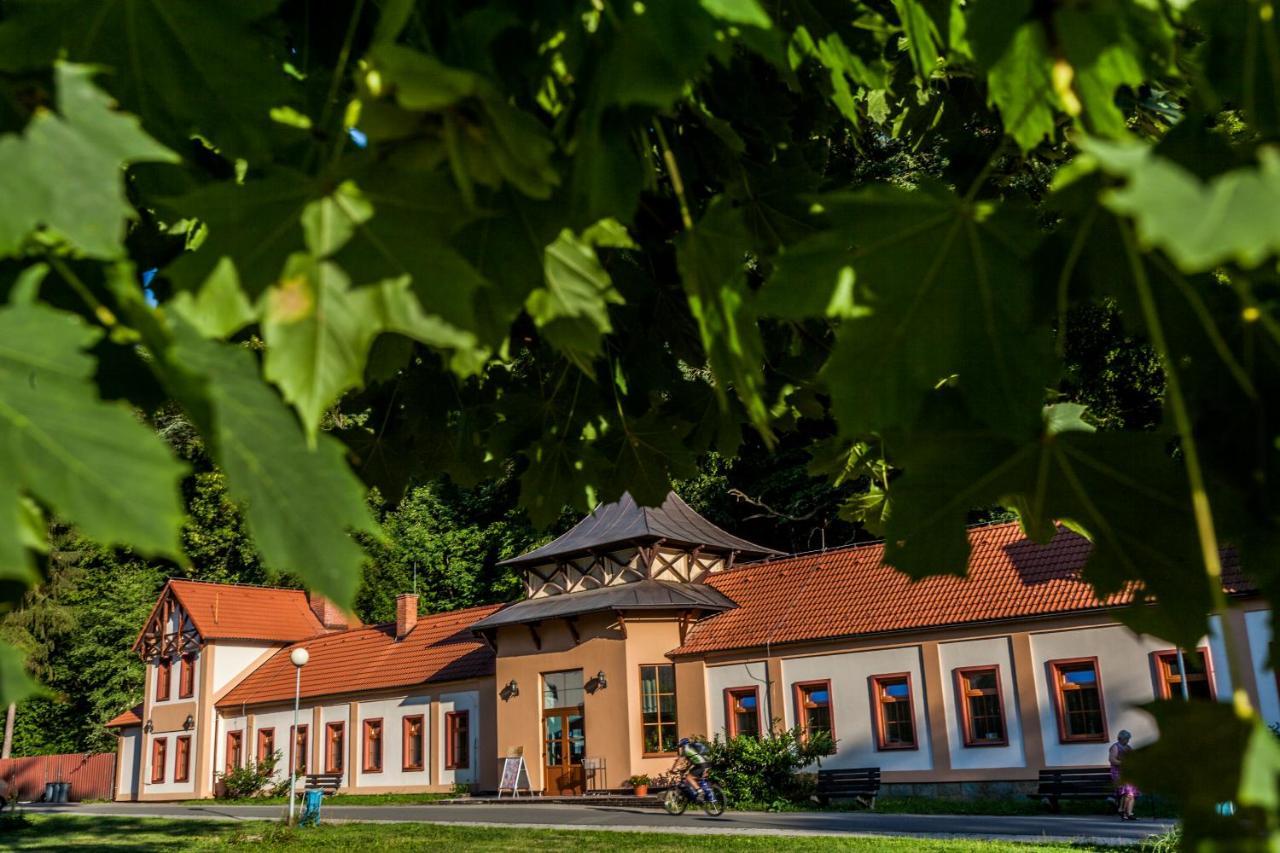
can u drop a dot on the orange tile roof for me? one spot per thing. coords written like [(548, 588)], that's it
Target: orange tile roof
[(131, 717), (223, 611), (439, 648), (851, 591)]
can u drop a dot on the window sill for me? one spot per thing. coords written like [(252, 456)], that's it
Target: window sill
[(417, 769), (1084, 739), (659, 754), (979, 744), (894, 747)]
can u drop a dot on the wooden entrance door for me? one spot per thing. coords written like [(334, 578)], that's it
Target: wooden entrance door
[(564, 744)]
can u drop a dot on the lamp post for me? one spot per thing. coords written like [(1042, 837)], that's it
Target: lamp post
[(299, 657)]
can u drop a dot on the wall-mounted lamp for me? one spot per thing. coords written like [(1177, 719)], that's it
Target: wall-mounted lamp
[(513, 689), (188, 722), (148, 727), (601, 681)]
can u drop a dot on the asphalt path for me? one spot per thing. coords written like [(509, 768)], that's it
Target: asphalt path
[(1091, 829)]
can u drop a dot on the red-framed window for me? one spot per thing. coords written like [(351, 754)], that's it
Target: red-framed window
[(182, 758), (298, 754), (159, 754), (1078, 700), (164, 679), (813, 709), (742, 711), (980, 700), (266, 743), (413, 743), (235, 750), (372, 751), (187, 677), (335, 747), (1197, 666), (457, 740), (893, 711)]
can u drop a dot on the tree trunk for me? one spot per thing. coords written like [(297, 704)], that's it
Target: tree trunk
[(8, 730)]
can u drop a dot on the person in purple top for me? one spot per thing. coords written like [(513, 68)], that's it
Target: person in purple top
[(1126, 793)]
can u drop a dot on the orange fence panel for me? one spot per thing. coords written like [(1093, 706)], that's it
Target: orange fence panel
[(92, 775)]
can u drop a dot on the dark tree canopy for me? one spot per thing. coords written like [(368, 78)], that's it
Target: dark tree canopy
[(583, 245)]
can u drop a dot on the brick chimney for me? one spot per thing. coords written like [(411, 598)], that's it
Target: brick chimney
[(406, 613), (329, 614)]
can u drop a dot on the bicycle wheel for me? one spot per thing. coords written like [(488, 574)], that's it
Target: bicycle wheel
[(716, 808), (674, 802)]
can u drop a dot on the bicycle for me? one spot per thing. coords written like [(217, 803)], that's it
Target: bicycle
[(681, 795)]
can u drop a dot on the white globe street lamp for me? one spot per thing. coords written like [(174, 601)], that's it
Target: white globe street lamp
[(299, 658)]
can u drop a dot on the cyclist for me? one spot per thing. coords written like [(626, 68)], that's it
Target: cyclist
[(694, 754)]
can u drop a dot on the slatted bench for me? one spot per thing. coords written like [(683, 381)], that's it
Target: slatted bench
[(1084, 783), (327, 782), (861, 784)]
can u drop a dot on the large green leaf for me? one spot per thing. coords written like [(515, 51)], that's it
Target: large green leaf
[(15, 683), (65, 171), (186, 66), (1235, 216), (319, 330), (572, 308), (93, 463), (713, 261), (944, 284), (257, 224), (1116, 487), (301, 501)]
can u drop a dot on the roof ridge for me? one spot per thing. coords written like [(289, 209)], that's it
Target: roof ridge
[(236, 584), (851, 546)]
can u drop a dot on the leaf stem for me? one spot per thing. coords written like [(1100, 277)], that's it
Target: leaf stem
[(104, 314), (339, 70), (1237, 646), (673, 171)]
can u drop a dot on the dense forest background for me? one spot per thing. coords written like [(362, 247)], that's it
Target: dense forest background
[(446, 541)]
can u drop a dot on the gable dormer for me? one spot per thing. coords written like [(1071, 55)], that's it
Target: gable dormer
[(623, 542), (169, 632)]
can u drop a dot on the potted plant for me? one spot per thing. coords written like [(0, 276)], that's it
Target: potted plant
[(639, 784)]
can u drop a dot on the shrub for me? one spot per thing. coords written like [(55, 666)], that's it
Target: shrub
[(765, 769), (638, 780), (251, 779)]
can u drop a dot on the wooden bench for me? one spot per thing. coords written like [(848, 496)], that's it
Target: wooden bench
[(1084, 783), (861, 784), (327, 782)]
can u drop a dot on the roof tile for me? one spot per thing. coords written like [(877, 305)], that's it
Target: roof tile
[(439, 648), (851, 591), (234, 612)]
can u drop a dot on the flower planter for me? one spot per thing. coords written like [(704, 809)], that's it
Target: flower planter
[(641, 790)]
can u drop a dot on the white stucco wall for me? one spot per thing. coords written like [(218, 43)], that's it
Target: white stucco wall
[(464, 701), (336, 714), (229, 724), (175, 680), (1258, 626), (130, 765), (967, 653), (282, 722), (851, 704), (1127, 679), (392, 712), (232, 660), (170, 760), (721, 678)]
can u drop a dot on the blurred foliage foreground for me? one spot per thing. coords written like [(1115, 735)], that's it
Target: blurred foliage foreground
[(366, 242)]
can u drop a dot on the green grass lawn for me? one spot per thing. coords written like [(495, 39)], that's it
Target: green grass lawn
[(334, 800), (116, 834)]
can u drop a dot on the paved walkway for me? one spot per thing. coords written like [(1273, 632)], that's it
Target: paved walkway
[(1097, 830)]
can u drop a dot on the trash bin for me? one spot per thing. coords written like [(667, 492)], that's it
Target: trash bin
[(50, 792), (64, 792), (311, 799)]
